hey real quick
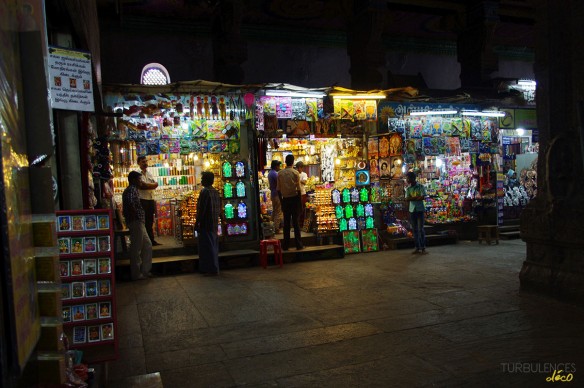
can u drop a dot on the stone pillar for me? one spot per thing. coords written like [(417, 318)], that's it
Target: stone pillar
[(364, 44), (229, 48), (474, 46), (553, 224)]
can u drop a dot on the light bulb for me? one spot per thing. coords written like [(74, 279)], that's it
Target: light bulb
[(337, 161), (166, 165), (438, 162), (196, 157), (520, 131), (207, 164)]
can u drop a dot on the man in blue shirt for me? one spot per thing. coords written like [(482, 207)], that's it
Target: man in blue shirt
[(276, 203), (415, 195)]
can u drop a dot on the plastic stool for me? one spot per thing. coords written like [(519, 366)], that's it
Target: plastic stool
[(277, 252)]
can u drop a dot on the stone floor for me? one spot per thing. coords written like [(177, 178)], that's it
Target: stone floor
[(454, 317)]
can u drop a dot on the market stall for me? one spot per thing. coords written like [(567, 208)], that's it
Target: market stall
[(183, 130)]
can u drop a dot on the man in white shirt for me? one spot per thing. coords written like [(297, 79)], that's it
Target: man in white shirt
[(147, 186)]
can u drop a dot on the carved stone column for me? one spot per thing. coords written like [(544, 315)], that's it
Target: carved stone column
[(553, 224), (229, 48), (475, 48), (364, 44)]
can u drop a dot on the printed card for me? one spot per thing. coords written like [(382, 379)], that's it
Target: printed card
[(90, 266), (90, 244), (67, 314), (104, 243), (64, 268), (91, 311), (78, 312), (105, 287), (77, 222), (64, 223), (93, 333), (104, 265), (103, 222), (65, 290), (77, 245), (64, 245), (105, 309), (76, 267), (79, 335), (91, 288), (90, 222), (77, 290), (107, 331)]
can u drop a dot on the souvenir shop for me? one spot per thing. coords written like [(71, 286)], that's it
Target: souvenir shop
[(183, 130), (328, 135), (453, 149), (519, 141)]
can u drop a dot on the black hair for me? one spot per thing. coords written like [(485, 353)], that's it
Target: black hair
[(275, 163), (289, 160), (133, 175), (411, 176), (140, 158), (207, 178)]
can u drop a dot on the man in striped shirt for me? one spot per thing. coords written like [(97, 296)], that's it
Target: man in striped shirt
[(140, 245)]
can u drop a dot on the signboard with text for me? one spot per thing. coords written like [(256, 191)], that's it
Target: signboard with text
[(70, 79)]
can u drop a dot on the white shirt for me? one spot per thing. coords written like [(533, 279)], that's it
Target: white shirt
[(146, 178), (303, 180)]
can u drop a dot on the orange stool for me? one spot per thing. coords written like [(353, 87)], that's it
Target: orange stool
[(277, 252)]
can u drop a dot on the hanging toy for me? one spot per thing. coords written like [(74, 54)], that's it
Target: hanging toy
[(199, 107), (206, 107), (222, 108), (214, 108)]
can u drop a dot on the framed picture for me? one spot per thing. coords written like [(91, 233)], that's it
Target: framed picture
[(67, 314), (79, 335), (351, 241), (369, 240), (104, 265), (105, 309), (91, 311), (76, 267), (64, 245), (105, 287), (64, 268), (103, 222), (91, 288), (78, 312), (77, 245), (77, 222), (89, 244), (90, 222), (89, 266), (107, 331), (93, 333), (362, 178), (65, 290), (103, 243), (384, 168), (77, 290), (64, 223)]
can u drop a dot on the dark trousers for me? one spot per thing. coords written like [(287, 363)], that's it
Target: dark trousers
[(291, 209), (417, 220), (149, 206)]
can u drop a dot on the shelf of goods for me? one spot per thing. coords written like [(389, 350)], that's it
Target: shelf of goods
[(233, 189), (85, 240)]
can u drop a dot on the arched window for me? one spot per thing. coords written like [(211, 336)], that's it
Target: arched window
[(154, 74)]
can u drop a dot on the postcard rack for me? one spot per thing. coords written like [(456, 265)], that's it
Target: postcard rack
[(86, 264)]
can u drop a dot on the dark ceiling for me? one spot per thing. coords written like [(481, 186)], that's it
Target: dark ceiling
[(437, 20)]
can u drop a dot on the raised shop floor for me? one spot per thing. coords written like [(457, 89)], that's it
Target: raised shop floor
[(172, 256)]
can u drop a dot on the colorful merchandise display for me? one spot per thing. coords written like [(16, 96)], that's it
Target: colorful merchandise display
[(85, 240)]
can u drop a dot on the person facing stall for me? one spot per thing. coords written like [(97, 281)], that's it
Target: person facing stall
[(276, 203), (303, 195), (289, 190), (415, 195), (146, 189), (206, 225)]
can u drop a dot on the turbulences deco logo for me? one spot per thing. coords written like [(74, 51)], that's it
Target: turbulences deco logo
[(555, 373)]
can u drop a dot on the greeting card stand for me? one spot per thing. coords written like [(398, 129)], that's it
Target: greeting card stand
[(86, 265)]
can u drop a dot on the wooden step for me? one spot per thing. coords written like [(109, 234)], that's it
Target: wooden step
[(510, 235), (508, 228), (431, 240), (175, 258)]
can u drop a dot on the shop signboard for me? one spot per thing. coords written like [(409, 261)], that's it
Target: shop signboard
[(70, 79), (525, 118), (507, 121)]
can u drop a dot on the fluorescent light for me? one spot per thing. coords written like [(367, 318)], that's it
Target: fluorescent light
[(288, 93), (526, 82), (483, 114), (436, 112), (359, 96)]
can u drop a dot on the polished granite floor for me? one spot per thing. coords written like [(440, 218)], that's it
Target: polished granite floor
[(452, 318)]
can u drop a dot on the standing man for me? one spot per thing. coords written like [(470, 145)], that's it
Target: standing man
[(276, 203), (140, 245), (415, 195), (208, 208), (303, 195), (289, 190), (147, 187)]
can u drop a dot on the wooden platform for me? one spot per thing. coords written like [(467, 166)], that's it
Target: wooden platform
[(169, 259)]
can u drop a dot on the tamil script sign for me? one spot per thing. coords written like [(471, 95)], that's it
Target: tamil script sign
[(70, 79)]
